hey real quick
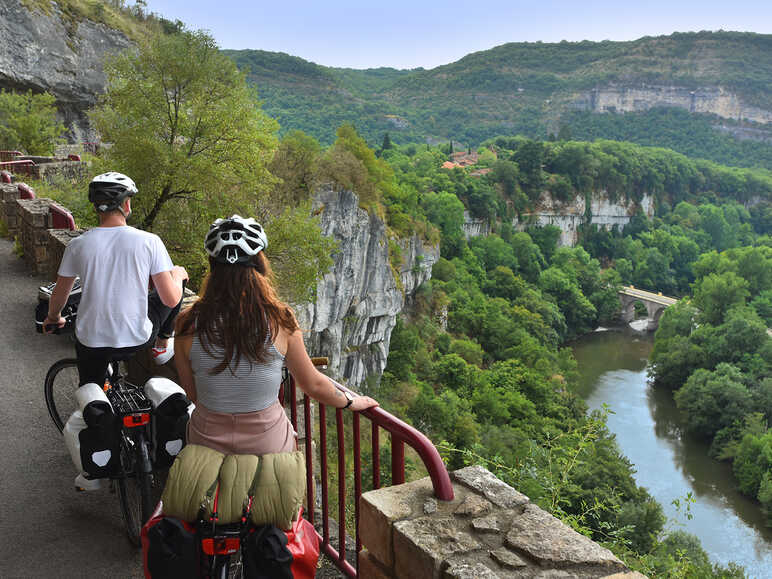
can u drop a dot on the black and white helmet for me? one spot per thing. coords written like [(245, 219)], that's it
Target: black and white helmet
[(235, 240), (108, 190)]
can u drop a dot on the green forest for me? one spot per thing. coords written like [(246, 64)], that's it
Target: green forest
[(480, 362), (532, 89)]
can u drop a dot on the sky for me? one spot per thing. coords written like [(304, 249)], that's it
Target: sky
[(428, 33)]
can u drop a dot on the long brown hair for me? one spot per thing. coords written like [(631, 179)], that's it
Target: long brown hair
[(237, 309)]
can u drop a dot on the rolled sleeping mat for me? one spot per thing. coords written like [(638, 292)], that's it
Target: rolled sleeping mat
[(75, 424), (170, 410), (94, 405), (158, 389)]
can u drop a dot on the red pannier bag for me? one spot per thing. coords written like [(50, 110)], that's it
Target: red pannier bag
[(169, 548), (303, 543)]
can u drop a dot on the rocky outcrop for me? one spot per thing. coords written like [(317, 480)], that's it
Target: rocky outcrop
[(43, 52), (570, 216), (714, 100), (474, 226), (358, 300)]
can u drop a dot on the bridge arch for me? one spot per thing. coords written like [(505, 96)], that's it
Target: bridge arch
[(655, 304)]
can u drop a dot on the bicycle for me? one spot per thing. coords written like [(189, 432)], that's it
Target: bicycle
[(135, 479)]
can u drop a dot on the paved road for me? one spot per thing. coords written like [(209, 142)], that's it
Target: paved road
[(46, 528), (651, 296)]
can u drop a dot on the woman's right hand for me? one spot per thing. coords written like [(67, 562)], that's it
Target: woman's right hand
[(362, 403)]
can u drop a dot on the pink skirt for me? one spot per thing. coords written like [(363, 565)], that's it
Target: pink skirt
[(260, 432)]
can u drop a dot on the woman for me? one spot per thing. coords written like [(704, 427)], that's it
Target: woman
[(232, 343)]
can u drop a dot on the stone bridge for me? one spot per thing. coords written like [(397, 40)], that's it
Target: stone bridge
[(655, 304)]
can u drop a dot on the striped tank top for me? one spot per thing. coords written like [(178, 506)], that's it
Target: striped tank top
[(253, 386)]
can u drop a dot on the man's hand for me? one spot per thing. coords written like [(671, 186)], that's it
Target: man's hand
[(51, 323), (179, 274)]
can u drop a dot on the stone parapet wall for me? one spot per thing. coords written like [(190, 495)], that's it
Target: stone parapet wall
[(489, 530), (41, 245), (35, 221), (50, 172), (9, 210), (58, 240)]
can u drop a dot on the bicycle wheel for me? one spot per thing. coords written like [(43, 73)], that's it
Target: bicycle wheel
[(135, 491), (225, 567), (59, 391)]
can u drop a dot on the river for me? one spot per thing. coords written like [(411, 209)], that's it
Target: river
[(645, 421)]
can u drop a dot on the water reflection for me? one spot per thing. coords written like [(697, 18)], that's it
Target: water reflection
[(646, 424)]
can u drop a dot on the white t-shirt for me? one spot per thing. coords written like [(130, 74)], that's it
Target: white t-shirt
[(114, 265)]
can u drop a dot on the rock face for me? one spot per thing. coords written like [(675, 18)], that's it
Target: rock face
[(359, 299), (570, 216), (39, 54), (641, 97)]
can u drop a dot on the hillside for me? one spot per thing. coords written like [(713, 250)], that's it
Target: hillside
[(537, 89)]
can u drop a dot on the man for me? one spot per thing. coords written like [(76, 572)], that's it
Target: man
[(116, 264)]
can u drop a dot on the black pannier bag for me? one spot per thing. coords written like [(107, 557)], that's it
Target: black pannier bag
[(265, 554), (171, 549), (100, 440), (170, 420), (69, 311)]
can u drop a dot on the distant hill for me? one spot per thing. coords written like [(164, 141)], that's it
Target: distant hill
[(706, 94)]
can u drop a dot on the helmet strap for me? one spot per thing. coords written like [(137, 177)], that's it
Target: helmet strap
[(120, 208)]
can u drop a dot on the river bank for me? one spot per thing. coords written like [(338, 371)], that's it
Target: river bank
[(612, 365)]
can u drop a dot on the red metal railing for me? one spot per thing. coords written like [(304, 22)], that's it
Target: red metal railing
[(401, 434), (61, 218), (25, 191), (25, 167), (9, 155)]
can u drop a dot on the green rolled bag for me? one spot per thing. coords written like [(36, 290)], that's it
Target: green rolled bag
[(276, 483)]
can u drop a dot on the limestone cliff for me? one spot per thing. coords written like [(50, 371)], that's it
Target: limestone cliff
[(358, 300), (571, 215), (40, 53), (641, 97)]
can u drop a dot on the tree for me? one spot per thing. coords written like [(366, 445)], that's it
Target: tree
[(185, 126), (296, 163), (386, 142), (715, 294), (28, 122), (711, 401)]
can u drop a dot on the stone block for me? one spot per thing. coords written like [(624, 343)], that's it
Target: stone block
[(495, 490), (508, 559), (474, 506), (380, 509), (469, 571), (553, 544), (35, 212), (421, 546), (57, 241), (370, 568)]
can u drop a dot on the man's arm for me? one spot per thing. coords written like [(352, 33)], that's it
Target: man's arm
[(168, 284), (58, 299)]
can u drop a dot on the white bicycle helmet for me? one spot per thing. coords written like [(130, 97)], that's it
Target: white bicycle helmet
[(108, 190), (235, 240)]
